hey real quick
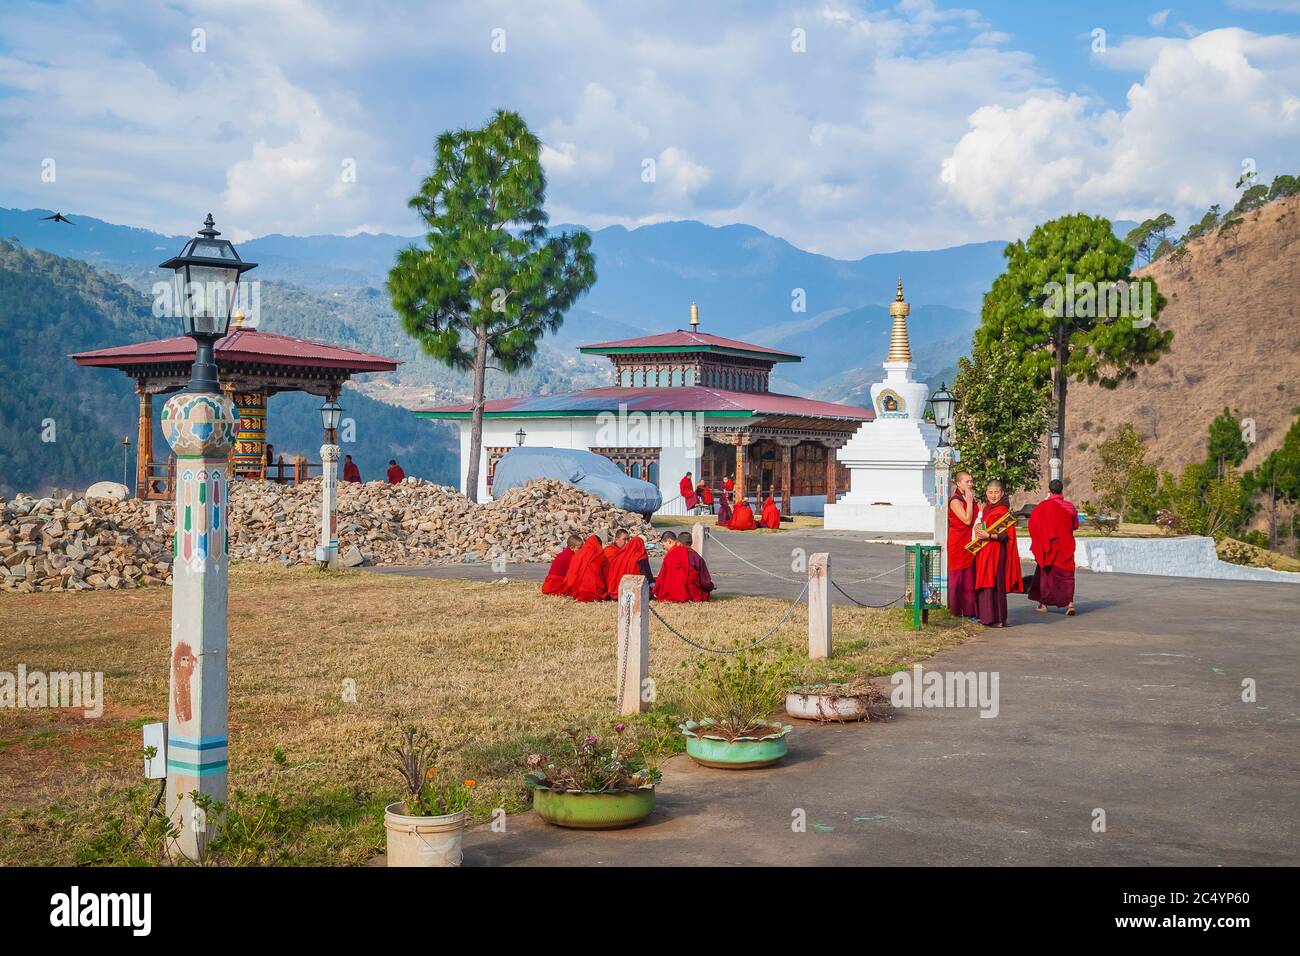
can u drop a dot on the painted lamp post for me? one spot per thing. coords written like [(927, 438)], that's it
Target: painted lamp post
[(327, 552), (200, 424), (1054, 463), (943, 403)]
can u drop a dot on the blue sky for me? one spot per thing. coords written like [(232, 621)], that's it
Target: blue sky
[(844, 127)]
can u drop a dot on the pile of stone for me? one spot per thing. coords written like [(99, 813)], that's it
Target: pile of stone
[(84, 543), (79, 543), (416, 522)]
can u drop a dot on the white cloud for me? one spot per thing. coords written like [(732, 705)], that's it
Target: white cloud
[(1158, 19), (1203, 105)]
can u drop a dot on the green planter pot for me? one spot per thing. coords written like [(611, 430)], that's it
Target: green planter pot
[(592, 811), (743, 753)]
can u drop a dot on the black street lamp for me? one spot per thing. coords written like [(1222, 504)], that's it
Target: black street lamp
[(519, 438), (204, 284), (943, 403), (331, 413)]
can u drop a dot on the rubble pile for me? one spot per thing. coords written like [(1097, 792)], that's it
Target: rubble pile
[(80, 543)]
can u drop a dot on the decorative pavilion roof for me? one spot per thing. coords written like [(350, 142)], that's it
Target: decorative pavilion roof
[(693, 398), (242, 345), (683, 341)]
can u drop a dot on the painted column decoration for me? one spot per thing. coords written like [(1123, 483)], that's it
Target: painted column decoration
[(143, 441), (250, 443), (200, 428), (943, 459), (327, 554)]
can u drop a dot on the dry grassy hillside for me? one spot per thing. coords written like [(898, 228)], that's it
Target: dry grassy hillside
[(1233, 305)]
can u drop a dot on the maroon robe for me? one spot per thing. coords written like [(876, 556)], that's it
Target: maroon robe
[(674, 584), (961, 564), (1051, 537), (700, 584), (554, 583), (997, 569)]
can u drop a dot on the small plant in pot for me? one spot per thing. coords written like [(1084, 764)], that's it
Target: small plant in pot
[(858, 699), (732, 698), (425, 827), (593, 784)]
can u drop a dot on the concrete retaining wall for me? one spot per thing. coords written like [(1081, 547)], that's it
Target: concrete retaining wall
[(1189, 557)]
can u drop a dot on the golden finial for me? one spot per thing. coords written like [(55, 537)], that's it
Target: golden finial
[(238, 319), (900, 350), (695, 317)]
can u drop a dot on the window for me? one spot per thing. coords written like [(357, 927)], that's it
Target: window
[(636, 469), (690, 377), (652, 473), (625, 378), (677, 378), (638, 379)]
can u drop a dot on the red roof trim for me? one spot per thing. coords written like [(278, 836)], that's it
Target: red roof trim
[(241, 345)]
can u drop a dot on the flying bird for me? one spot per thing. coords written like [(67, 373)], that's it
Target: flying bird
[(59, 217)]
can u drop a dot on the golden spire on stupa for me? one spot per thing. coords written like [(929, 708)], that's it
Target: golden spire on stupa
[(695, 317), (899, 348)]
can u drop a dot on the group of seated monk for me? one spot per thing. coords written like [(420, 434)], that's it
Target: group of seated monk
[(741, 518), (591, 571)]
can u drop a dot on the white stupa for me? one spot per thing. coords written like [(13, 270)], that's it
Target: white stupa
[(891, 458)]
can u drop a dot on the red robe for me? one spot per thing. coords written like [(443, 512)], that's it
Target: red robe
[(724, 509), (395, 474), (700, 583), (677, 580), (351, 472), (585, 580), (611, 552), (554, 583), (771, 516), (1051, 533), (706, 494), (1051, 539), (688, 491), (986, 562), (959, 535), (630, 560), (742, 519)]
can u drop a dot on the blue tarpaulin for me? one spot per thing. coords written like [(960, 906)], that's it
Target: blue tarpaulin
[(594, 474)]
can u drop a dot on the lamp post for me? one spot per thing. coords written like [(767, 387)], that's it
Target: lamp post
[(519, 438), (1054, 463), (200, 424), (944, 405), (126, 456), (327, 553)]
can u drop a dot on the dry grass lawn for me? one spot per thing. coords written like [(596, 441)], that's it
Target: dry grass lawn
[(491, 670)]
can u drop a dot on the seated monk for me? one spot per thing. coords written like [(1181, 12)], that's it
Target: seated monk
[(586, 578), (674, 582), (700, 585), (742, 518), (612, 549), (705, 494), (554, 583), (771, 517), (631, 560)]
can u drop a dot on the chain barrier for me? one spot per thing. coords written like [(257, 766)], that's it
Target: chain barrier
[(731, 650), (780, 577), (876, 576), (877, 607)]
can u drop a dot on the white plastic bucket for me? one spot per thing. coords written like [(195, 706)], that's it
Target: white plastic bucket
[(423, 841)]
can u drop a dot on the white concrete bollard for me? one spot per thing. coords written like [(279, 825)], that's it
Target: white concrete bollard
[(819, 605), (698, 536), (633, 656)]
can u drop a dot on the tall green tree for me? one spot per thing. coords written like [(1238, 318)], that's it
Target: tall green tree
[(1152, 237), (1278, 479), (1057, 308), (1124, 481), (1225, 446), (489, 282), (1004, 412)]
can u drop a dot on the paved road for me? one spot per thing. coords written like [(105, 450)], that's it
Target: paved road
[(1133, 707)]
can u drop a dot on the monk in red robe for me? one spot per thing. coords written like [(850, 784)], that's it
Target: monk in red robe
[(700, 584), (1051, 537), (771, 516), (687, 487), (742, 519), (630, 560), (674, 582), (395, 473), (997, 566), (705, 494), (613, 548), (724, 502), (961, 563), (350, 470), (585, 580), (554, 583)]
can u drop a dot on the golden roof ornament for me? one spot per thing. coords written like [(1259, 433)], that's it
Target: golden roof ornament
[(238, 319), (900, 350), (695, 317)]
